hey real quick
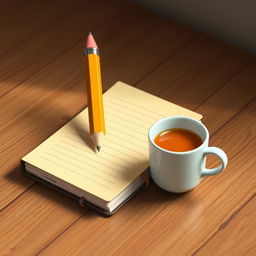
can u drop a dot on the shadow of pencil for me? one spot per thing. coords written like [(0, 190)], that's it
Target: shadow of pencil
[(82, 131)]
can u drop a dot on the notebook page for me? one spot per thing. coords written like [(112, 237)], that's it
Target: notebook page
[(69, 153)]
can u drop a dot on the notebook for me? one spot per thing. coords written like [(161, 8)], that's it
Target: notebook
[(105, 180)]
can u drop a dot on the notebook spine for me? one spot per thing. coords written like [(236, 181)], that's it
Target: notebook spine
[(81, 200)]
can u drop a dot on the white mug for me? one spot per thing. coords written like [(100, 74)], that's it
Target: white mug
[(181, 171)]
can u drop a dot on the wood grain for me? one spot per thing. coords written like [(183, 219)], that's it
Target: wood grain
[(42, 87), (205, 63), (36, 51), (237, 236), (230, 98), (20, 20), (41, 214)]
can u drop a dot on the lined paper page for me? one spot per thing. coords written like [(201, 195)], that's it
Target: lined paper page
[(69, 153)]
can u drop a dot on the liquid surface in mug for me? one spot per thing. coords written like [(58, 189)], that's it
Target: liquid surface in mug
[(178, 140)]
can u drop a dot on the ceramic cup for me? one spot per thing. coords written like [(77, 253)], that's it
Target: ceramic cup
[(181, 171)]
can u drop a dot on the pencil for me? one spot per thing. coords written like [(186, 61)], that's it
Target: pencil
[(94, 92)]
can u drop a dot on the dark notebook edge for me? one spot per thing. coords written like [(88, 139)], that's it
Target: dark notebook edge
[(81, 201)]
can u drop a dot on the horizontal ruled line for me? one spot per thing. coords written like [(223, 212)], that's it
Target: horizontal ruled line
[(86, 156), (124, 116), (45, 158), (87, 164), (113, 135), (120, 125), (77, 166), (125, 113), (129, 123), (107, 138), (140, 146), (138, 106), (144, 134), (107, 153), (133, 157), (122, 145), (95, 153)]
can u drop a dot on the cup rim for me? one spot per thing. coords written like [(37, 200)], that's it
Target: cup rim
[(177, 152)]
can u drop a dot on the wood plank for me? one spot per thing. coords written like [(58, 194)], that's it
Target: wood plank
[(5, 3), (133, 54), (196, 72), (27, 234), (57, 92), (237, 236), (159, 223), (20, 20), (239, 90), (37, 50), (211, 78)]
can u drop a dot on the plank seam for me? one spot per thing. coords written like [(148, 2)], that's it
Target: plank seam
[(234, 116), (61, 232), (167, 58), (44, 26), (16, 198), (224, 224), (64, 51), (225, 83)]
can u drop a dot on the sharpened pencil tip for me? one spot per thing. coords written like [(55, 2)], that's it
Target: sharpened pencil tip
[(90, 33), (98, 148)]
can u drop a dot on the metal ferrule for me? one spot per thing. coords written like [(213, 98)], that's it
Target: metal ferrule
[(91, 51)]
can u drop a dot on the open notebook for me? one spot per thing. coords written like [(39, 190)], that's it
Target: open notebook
[(106, 179)]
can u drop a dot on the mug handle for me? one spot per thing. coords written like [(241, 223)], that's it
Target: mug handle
[(221, 155)]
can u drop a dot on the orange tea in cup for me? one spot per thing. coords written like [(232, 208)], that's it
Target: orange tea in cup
[(178, 140)]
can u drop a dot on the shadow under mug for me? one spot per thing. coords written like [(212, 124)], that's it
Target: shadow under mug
[(181, 171)]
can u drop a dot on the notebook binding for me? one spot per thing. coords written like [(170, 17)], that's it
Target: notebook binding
[(82, 201)]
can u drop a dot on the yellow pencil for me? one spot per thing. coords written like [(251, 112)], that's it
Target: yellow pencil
[(94, 91)]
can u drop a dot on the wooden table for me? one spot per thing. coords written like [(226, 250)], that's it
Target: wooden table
[(42, 86)]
